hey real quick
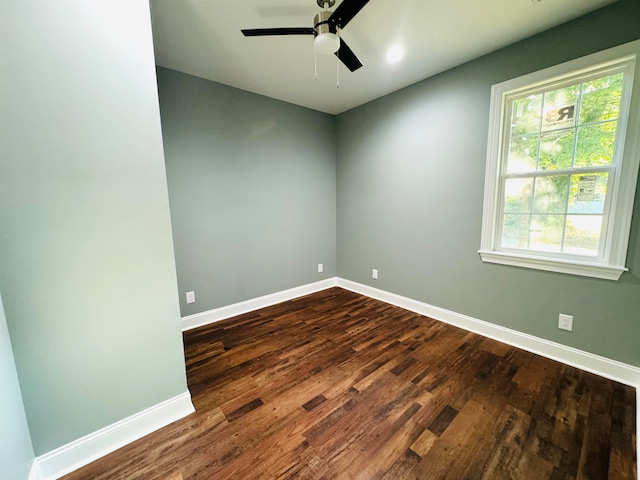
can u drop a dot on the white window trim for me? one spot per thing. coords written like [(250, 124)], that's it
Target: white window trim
[(613, 264)]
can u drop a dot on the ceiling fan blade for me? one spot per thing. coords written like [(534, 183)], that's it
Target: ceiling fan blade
[(346, 56), (346, 11), (262, 32)]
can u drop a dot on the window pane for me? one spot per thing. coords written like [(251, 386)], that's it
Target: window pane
[(556, 150), (515, 231), (517, 195), (546, 232), (562, 95), (588, 193), (551, 194), (582, 236), (523, 153), (595, 144), (560, 108), (601, 99), (525, 115)]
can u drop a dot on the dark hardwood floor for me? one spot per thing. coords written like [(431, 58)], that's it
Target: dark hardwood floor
[(337, 385)]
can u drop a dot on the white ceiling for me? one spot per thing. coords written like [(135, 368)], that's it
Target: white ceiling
[(202, 38)]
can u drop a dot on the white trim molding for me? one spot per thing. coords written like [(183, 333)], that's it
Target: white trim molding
[(35, 473), (211, 316), (595, 270), (82, 451), (605, 367)]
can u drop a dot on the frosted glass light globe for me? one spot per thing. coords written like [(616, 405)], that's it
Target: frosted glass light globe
[(326, 43)]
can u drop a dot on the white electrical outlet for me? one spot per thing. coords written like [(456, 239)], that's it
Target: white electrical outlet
[(374, 274), (191, 297), (565, 322), (320, 268)]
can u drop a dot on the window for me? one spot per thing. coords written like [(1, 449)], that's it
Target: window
[(561, 169)]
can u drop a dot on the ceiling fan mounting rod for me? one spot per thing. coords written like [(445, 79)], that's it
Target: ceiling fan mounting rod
[(326, 3)]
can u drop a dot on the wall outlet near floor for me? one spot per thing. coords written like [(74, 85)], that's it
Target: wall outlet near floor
[(565, 322), (374, 274), (191, 297), (320, 268)]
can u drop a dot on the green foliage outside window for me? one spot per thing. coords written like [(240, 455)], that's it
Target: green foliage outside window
[(570, 130)]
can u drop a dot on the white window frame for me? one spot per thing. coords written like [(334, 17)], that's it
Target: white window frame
[(610, 264)]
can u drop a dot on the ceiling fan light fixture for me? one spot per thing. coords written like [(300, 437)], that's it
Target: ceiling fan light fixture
[(326, 43)]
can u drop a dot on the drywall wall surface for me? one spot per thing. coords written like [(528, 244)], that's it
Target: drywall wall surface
[(86, 257), (251, 188), (411, 170), (16, 452)]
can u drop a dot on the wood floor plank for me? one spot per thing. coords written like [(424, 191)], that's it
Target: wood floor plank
[(596, 446), (621, 461), (442, 421), (337, 385)]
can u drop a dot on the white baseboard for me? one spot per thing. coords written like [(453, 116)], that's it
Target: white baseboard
[(35, 473), (228, 311), (80, 452), (605, 367)]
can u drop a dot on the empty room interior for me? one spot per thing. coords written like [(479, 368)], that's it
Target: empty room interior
[(319, 239)]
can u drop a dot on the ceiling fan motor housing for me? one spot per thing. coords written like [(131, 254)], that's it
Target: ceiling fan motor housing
[(321, 23), (326, 41)]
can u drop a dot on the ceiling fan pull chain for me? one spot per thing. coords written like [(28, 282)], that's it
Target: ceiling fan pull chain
[(315, 64)]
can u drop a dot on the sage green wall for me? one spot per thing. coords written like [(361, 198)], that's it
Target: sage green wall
[(16, 452), (410, 190), (252, 191), (86, 259)]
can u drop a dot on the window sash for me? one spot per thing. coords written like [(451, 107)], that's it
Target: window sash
[(622, 176), (604, 231), (508, 101)]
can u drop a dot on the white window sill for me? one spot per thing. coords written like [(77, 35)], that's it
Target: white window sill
[(572, 267)]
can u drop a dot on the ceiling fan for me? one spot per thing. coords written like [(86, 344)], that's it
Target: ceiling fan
[(326, 30)]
